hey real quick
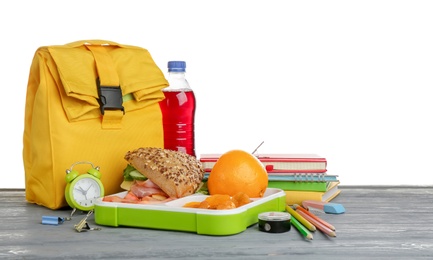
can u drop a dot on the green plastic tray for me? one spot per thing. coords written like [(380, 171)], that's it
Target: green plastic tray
[(173, 216)]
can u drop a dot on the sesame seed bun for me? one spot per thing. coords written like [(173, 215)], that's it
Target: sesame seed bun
[(178, 174)]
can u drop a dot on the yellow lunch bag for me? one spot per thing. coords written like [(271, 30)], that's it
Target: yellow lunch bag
[(91, 101)]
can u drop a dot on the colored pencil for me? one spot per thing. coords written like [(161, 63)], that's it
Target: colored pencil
[(297, 207), (304, 222), (303, 230), (318, 225)]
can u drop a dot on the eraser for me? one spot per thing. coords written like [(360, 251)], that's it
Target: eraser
[(333, 208)]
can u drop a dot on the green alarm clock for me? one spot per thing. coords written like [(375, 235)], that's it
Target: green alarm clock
[(82, 190)]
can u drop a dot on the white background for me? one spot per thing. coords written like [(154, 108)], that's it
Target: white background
[(349, 80)]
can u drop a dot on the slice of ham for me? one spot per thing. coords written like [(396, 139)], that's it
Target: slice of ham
[(142, 192), (146, 188)]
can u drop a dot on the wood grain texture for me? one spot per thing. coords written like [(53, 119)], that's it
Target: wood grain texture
[(379, 223)]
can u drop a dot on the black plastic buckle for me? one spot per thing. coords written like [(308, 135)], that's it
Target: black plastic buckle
[(110, 98)]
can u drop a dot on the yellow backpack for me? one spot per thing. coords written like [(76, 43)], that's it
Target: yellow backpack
[(89, 101)]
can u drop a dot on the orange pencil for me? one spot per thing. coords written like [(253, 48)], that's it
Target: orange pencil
[(318, 225), (300, 208)]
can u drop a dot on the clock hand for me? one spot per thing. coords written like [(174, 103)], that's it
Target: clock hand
[(89, 187), (80, 190), (84, 192)]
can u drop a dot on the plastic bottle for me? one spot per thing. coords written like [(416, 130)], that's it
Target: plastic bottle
[(178, 110)]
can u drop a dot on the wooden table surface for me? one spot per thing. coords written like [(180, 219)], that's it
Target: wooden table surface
[(379, 223)]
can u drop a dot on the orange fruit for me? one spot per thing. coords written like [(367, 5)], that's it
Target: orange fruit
[(216, 200), (192, 204), (220, 201), (227, 205), (238, 171), (240, 199)]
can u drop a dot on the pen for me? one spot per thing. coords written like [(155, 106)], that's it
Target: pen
[(304, 222), (318, 225), (297, 207), (303, 230)]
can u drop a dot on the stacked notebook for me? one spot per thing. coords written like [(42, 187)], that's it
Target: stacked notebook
[(301, 176)]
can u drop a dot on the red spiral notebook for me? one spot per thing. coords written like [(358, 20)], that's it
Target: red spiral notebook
[(279, 163)]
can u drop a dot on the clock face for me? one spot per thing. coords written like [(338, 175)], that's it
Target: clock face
[(86, 191)]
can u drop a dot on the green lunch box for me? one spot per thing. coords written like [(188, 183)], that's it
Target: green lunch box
[(173, 216)]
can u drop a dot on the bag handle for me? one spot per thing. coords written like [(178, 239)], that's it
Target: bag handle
[(108, 84)]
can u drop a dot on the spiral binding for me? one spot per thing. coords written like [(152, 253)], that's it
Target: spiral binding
[(309, 177)]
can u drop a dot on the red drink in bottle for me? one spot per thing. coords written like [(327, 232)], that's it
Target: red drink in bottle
[(178, 111)]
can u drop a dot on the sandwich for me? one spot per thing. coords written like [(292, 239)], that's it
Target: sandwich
[(161, 173)]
